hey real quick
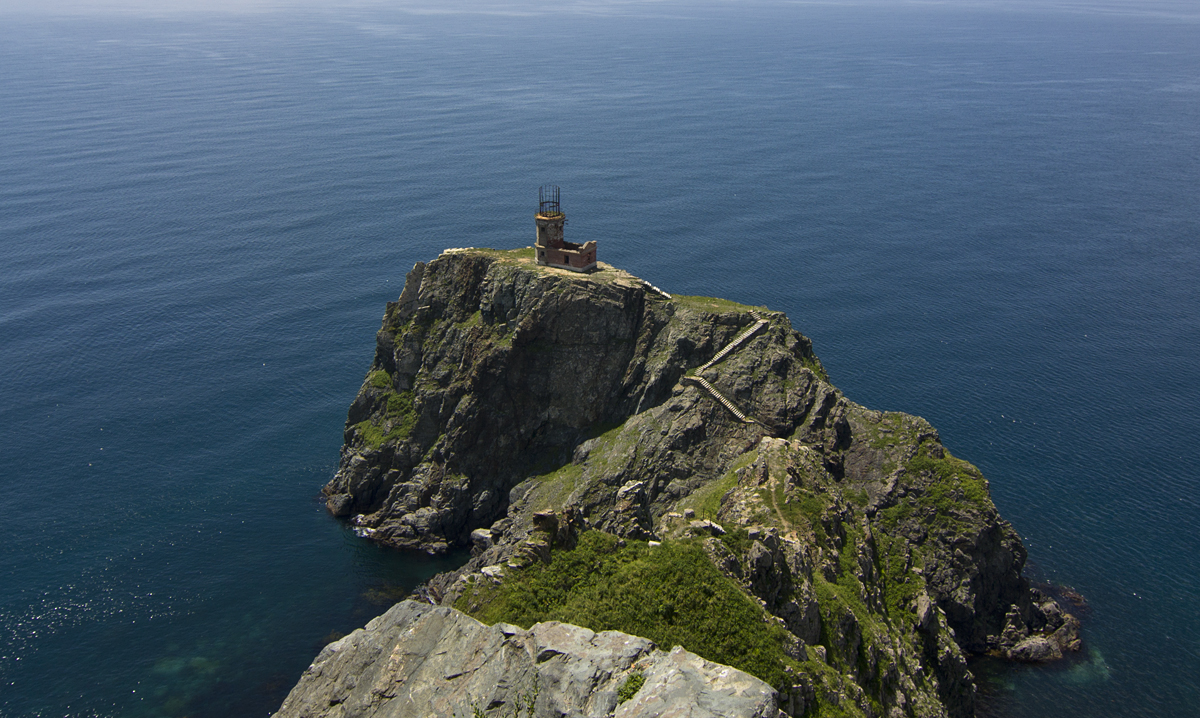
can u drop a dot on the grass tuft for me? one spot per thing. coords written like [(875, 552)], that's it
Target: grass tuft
[(630, 687), (671, 594)]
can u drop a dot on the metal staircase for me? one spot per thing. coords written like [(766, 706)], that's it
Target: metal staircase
[(703, 383)]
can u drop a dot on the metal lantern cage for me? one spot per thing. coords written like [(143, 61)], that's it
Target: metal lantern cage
[(548, 205)]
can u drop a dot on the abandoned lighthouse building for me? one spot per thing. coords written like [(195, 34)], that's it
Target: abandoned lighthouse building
[(552, 249)]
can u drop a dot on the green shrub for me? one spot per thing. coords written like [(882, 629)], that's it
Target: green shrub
[(671, 594), (630, 687)]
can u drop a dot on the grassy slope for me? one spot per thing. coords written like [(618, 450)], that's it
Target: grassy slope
[(671, 594)]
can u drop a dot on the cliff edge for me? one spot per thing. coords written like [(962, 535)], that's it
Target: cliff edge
[(419, 660), (680, 468)]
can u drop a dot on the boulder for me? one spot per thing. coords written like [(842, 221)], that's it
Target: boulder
[(1035, 649), (707, 528), (481, 539)]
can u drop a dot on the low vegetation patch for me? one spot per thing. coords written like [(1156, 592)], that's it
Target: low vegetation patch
[(398, 416), (631, 686), (900, 585), (737, 540), (551, 490), (505, 255), (707, 501), (955, 482), (471, 321), (670, 594), (814, 365), (713, 304), (831, 689), (803, 507)]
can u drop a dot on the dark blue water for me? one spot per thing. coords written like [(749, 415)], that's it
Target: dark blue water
[(987, 215)]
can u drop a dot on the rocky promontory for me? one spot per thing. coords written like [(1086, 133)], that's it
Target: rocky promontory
[(452, 665), (679, 469)]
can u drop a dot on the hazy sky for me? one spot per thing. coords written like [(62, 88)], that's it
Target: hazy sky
[(1184, 9)]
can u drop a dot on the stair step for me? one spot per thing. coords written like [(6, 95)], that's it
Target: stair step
[(721, 399), (758, 324), (735, 343)]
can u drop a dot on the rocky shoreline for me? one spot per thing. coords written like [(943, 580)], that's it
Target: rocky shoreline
[(537, 414)]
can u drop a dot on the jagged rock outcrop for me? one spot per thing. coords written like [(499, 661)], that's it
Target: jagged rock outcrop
[(511, 407), (419, 660)]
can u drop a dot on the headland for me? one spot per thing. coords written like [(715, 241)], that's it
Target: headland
[(676, 469)]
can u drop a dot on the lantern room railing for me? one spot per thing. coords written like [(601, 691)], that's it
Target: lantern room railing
[(548, 205)]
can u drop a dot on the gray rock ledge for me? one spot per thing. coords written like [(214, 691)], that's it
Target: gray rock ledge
[(423, 660)]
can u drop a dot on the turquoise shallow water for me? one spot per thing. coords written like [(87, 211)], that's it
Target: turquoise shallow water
[(983, 215)]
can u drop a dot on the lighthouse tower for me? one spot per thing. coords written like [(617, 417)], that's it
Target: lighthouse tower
[(552, 250)]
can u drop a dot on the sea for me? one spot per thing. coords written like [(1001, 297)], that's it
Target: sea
[(983, 213)]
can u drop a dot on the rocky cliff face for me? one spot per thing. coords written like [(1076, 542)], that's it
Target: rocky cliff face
[(511, 407)]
